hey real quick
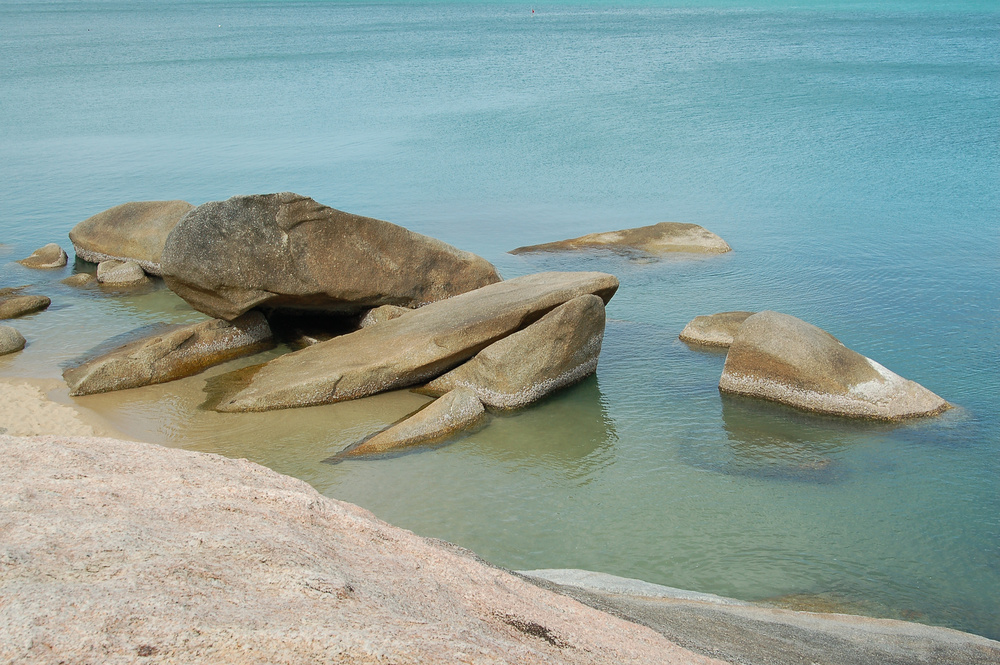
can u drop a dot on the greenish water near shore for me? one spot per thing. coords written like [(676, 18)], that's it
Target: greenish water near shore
[(850, 154)]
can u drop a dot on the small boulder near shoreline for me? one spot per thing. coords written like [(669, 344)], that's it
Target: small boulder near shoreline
[(10, 340), (133, 231), (13, 304), (557, 350), (286, 251), (121, 273), (407, 350), (661, 238), (179, 352), (49, 256), (714, 329), (781, 358), (127, 552), (450, 414)]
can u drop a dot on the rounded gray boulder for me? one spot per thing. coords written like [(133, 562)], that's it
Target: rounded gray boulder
[(286, 251), (781, 358), (10, 340)]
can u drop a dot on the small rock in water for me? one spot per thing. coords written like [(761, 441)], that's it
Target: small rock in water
[(10, 340), (121, 273), (13, 305), (79, 279), (715, 329), (49, 256), (659, 238)]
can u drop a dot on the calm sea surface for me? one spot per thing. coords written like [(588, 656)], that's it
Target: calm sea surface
[(849, 152)]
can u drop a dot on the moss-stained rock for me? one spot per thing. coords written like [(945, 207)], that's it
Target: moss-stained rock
[(285, 251), (558, 350), (179, 352), (778, 357), (659, 238), (133, 231)]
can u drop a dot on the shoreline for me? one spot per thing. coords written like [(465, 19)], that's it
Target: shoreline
[(716, 627)]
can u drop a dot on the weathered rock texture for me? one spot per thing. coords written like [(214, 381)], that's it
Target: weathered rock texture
[(134, 231), (179, 352), (121, 273), (413, 348), (559, 349), (10, 340), (288, 251), (748, 633), (714, 329), (79, 279), (781, 358), (380, 314), (49, 256), (120, 552), (656, 239), (450, 414), (13, 305)]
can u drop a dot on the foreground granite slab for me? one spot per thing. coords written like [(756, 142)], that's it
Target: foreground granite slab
[(407, 350), (127, 552), (748, 633)]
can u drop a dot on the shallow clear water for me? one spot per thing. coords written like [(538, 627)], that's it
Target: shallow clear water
[(850, 154)]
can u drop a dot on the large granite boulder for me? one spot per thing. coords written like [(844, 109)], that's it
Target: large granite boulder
[(49, 256), (714, 329), (121, 273), (656, 239), (559, 349), (133, 231), (445, 417), (410, 349), (180, 351), (10, 340), (781, 358), (288, 251), (13, 304)]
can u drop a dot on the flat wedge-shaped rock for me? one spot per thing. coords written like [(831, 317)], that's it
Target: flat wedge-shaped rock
[(13, 305), (286, 251), (49, 256), (412, 348), (784, 359), (180, 352), (559, 349), (133, 231), (450, 414), (656, 239), (714, 329)]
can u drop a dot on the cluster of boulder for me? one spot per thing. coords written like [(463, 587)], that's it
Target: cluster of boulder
[(14, 304), (778, 357), (400, 310)]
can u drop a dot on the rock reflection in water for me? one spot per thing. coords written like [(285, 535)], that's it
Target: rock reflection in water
[(569, 431), (771, 441)]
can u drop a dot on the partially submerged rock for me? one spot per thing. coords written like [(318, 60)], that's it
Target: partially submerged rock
[(79, 279), (714, 329), (558, 350), (450, 414), (124, 552), (287, 251), (49, 256), (781, 358), (121, 273), (13, 304), (413, 348), (659, 238), (179, 352), (380, 314), (10, 340), (134, 231)]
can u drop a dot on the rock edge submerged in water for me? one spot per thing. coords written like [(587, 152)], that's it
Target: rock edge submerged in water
[(659, 238), (781, 358)]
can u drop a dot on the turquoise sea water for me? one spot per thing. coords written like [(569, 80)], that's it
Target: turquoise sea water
[(848, 151)]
